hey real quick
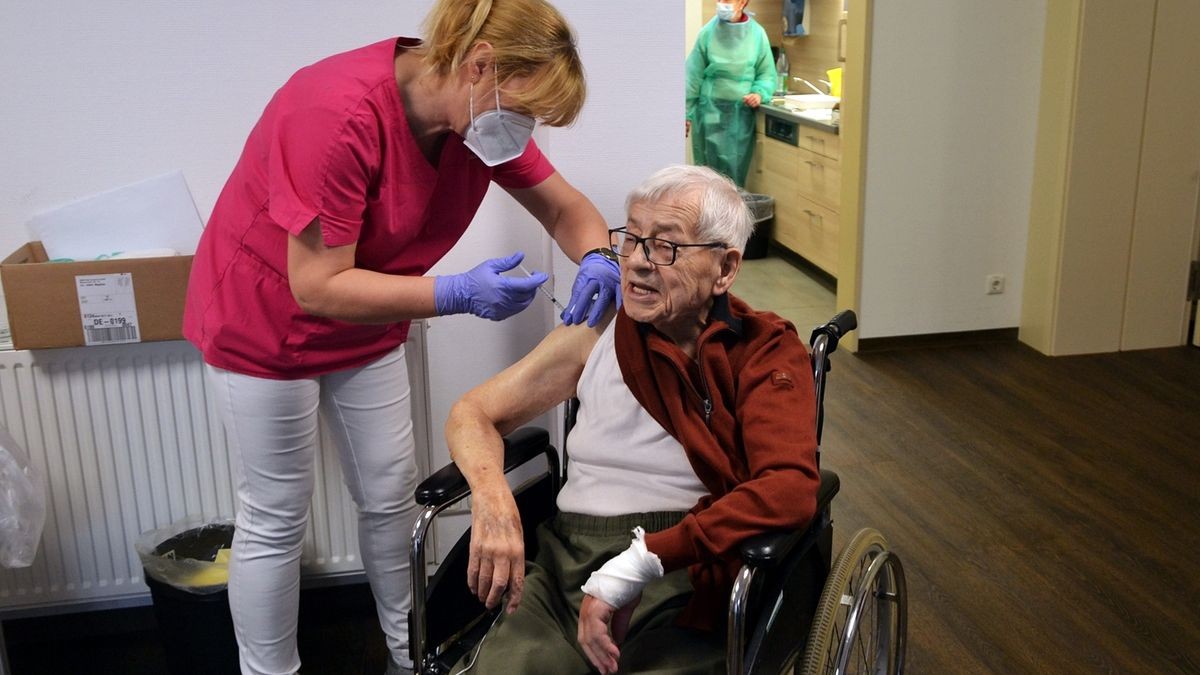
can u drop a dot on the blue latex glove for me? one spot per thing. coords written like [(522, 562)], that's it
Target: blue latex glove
[(596, 286), (485, 292)]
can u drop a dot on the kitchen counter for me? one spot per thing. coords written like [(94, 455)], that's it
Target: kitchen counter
[(778, 110)]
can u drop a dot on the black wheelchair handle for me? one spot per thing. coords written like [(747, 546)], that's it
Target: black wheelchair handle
[(837, 327), (845, 320), (448, 485)]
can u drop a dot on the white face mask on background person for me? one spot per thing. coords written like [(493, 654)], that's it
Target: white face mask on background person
[(499, 135), (725, 11)]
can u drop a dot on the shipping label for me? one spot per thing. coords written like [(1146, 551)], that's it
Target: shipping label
[(108, 309)]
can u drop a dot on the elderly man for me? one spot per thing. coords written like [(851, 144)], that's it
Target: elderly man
[(696, 429)]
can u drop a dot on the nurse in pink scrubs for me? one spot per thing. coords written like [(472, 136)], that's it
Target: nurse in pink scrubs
[(363, 171)]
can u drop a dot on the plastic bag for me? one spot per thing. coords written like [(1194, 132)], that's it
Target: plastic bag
[(191, 554), (22, 505), (761, 207)]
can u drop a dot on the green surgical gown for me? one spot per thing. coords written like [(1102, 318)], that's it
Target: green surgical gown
[(729, 61)]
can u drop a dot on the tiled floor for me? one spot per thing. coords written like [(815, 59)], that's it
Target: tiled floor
[(774, 284)]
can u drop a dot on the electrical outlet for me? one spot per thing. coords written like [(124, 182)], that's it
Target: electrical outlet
[(995, 284)]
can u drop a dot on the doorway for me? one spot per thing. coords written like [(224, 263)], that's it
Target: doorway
[(824, 198)]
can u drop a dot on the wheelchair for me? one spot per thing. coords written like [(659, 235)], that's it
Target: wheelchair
[(792, 609)]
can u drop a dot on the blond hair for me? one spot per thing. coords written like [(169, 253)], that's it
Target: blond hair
[(529, 39)]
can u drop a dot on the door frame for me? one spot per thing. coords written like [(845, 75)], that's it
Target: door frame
[(854, 111)]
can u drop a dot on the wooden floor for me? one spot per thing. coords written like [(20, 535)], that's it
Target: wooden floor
[(1046, 509)]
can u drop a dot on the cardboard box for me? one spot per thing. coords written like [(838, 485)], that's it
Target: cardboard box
[(122, 301)]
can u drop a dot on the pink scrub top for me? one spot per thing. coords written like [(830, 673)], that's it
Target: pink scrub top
[(333, 144)]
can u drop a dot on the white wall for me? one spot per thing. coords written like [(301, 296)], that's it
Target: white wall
[(629, 128), (98, 95), (950, 145)]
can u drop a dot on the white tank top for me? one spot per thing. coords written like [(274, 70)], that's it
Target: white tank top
[(620, 460)]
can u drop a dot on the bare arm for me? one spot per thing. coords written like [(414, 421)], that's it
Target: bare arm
[(545, 377), (566, 214), (326, 283)]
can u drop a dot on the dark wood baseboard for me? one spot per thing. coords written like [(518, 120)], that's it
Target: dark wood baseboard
[(968, 337)]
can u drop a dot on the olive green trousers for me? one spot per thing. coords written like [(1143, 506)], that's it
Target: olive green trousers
[(540, 637)]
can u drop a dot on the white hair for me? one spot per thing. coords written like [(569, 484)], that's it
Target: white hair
[(724, 216)]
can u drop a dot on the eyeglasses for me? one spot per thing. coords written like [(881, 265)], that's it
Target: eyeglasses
[(657, 251)]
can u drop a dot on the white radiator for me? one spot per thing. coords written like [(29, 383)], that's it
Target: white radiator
[(128, 442)]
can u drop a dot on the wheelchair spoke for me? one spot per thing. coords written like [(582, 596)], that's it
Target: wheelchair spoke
[(865, 639), (859, 626)]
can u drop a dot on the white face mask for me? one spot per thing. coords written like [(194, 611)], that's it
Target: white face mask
[(725, 11), (499, 135)]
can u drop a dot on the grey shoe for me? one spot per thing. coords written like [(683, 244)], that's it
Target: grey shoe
[(395, 669)]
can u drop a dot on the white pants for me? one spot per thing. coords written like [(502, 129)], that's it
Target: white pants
[(272, 428)]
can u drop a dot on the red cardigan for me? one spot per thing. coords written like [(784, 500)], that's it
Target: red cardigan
[(745, 412)]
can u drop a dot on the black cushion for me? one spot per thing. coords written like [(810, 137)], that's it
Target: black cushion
[(448, 485)]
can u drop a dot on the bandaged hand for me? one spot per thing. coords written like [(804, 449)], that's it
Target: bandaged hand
[(612, 593), (485, 292), (596, 287), (622, 578)]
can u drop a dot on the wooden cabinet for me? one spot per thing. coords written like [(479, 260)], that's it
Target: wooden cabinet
[(821, 142), (806, 182), (809, 229)]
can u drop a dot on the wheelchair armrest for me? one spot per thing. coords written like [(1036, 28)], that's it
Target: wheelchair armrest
[(763, 550), (769, 548), (448, 485)]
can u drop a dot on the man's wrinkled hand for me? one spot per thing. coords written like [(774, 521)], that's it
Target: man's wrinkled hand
[(496, 563)]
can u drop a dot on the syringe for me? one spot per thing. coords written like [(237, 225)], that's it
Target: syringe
[(541, 288)]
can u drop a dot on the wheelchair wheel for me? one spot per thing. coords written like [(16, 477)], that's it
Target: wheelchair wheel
[(860, 623)]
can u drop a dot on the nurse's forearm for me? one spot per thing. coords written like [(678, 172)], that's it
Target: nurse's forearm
[(362, 296), (566, 214), (325, 282), (579, 229)]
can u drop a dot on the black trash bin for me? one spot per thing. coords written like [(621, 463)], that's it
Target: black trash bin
[(195, 628), (762, 208)]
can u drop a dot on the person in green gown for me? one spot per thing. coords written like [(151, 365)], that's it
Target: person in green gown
[(729, 73)]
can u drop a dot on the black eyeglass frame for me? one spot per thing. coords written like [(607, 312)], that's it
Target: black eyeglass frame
[(644, 242)]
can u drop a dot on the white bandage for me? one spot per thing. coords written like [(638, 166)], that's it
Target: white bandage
[(622, 578)]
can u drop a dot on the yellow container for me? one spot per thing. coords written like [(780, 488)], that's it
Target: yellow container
[(835, 81)]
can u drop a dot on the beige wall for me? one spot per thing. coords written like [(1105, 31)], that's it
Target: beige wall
[(810, 56), (1165, 214), (1114, 201)]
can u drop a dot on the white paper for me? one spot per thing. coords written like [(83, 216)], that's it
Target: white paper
[(108, 309), (154, 213)]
